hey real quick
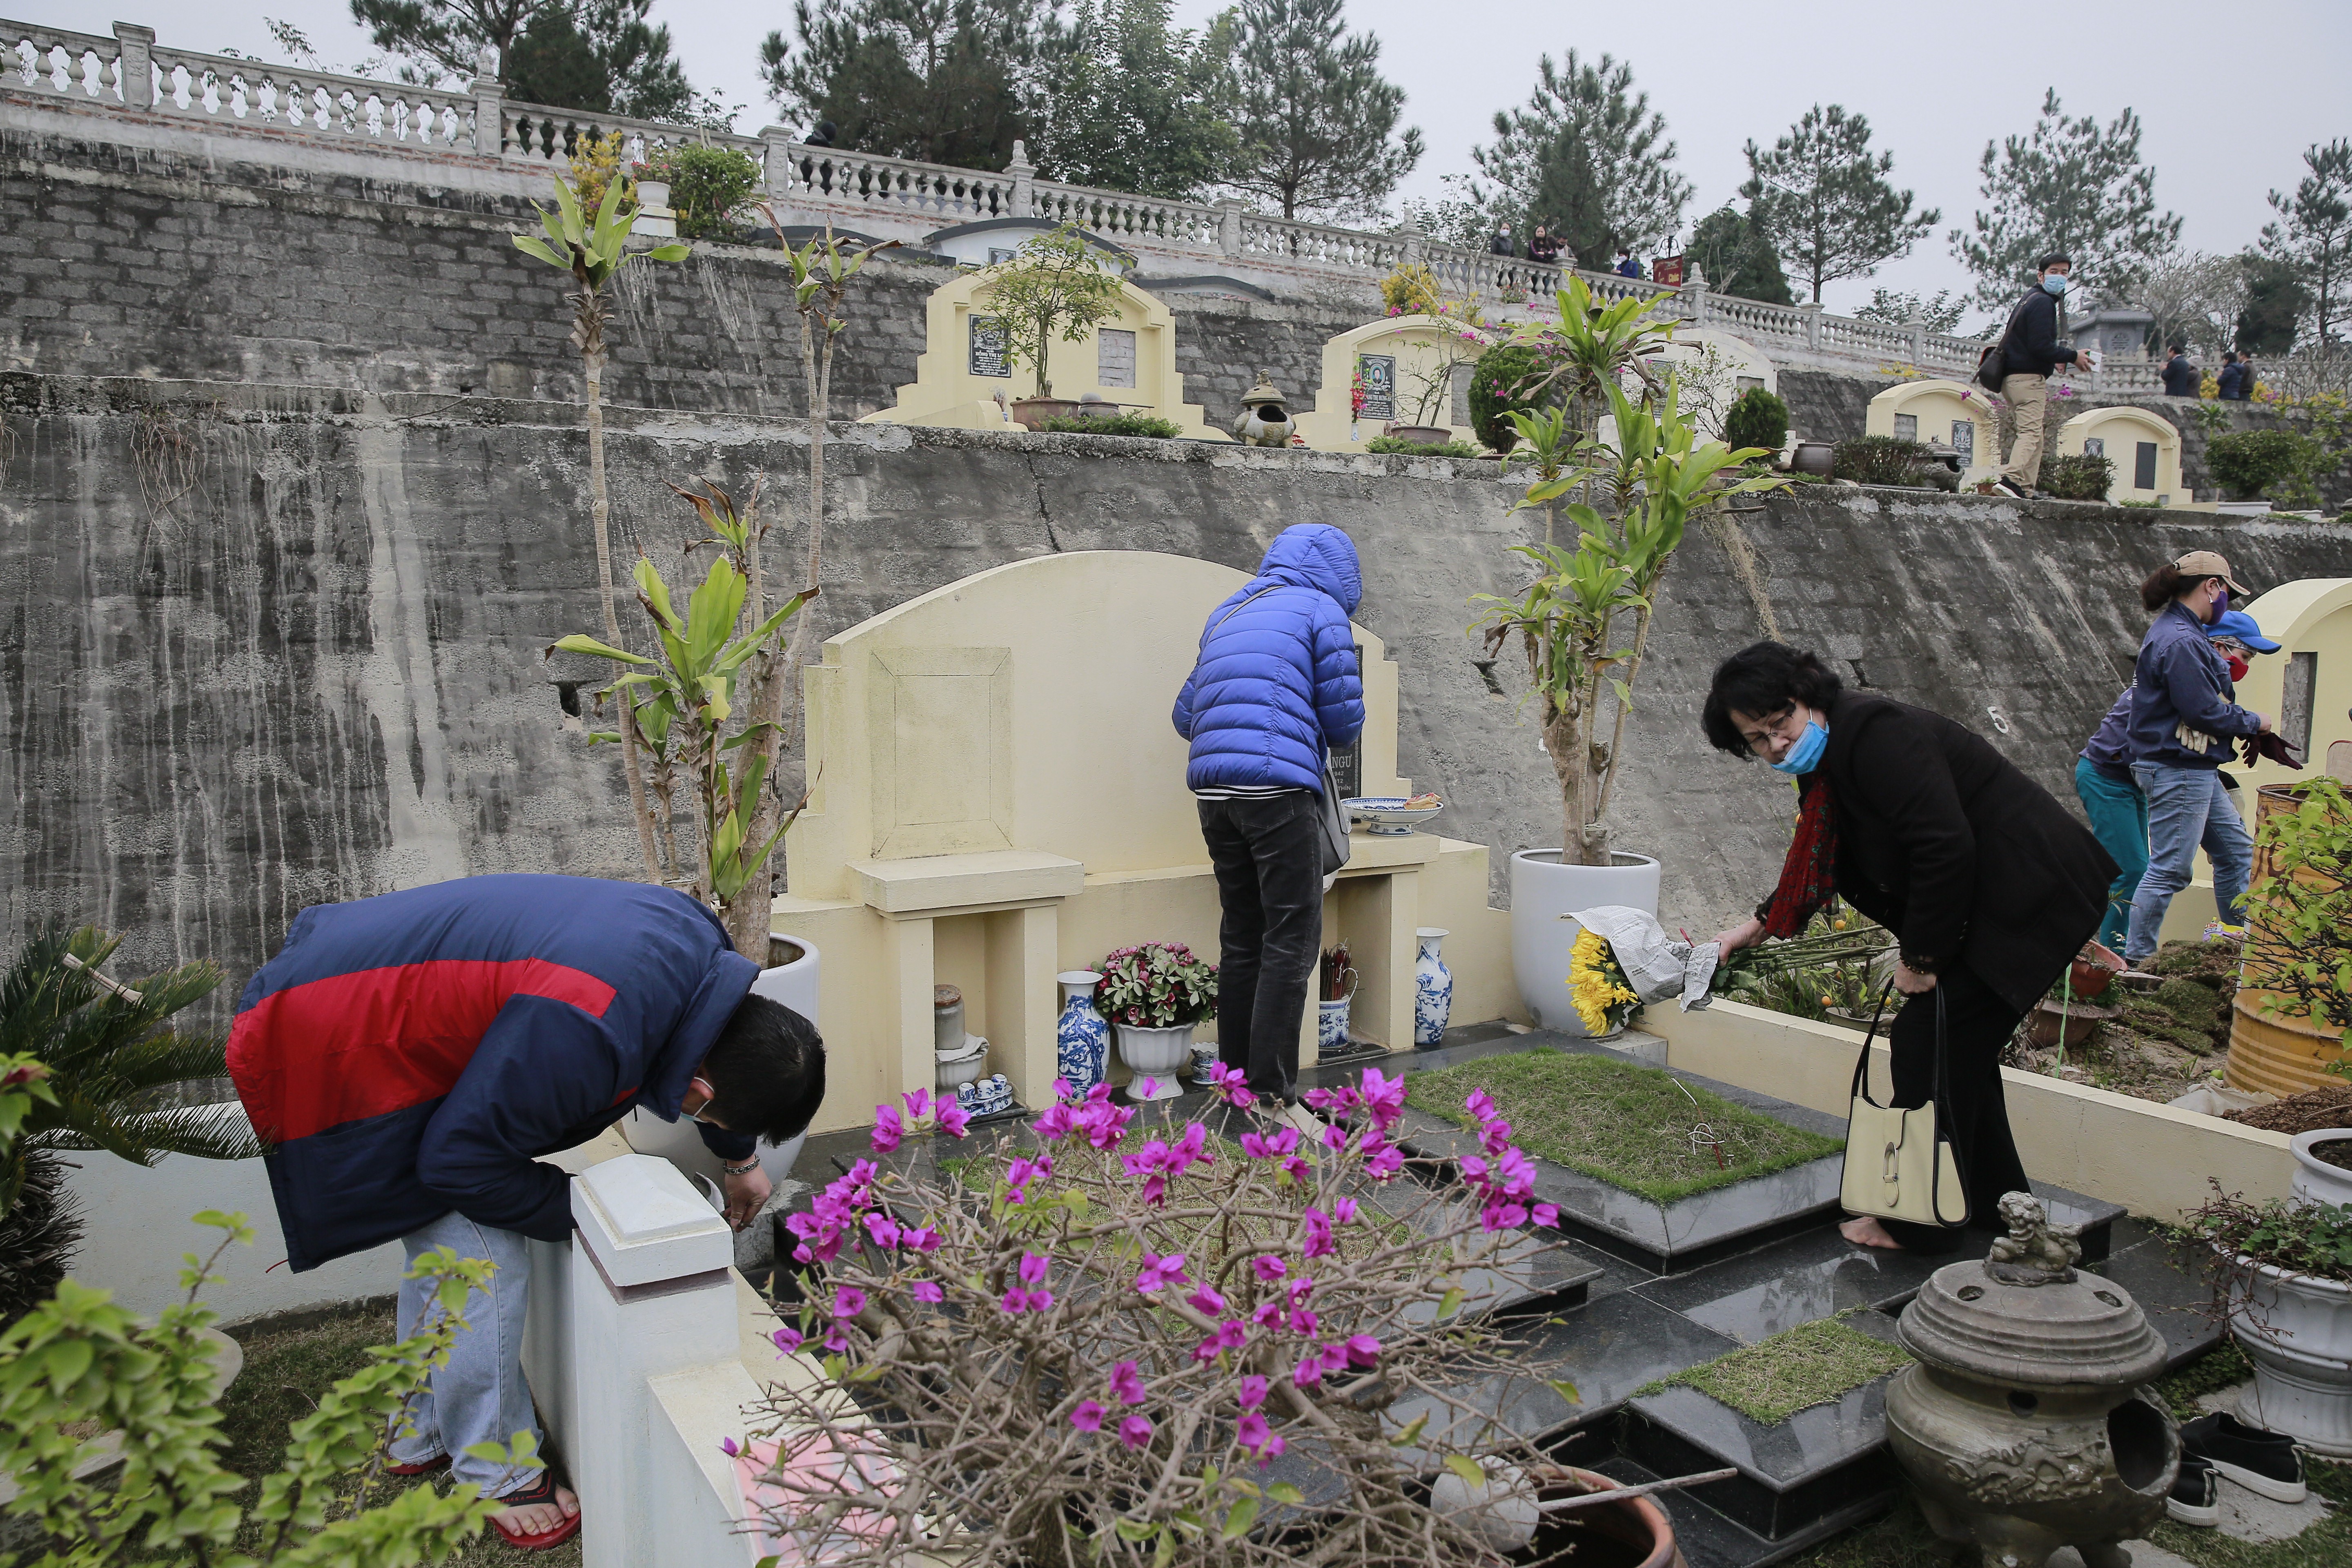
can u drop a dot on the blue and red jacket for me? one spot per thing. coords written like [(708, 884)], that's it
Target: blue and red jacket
[(415, 1053)]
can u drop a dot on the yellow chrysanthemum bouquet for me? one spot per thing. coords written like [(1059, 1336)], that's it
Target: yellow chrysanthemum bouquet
[(1596, 983)]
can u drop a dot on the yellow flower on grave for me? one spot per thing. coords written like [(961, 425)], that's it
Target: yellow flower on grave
[(1596, 983)]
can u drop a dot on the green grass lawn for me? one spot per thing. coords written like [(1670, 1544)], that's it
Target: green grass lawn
[(1630, 1126), (284, 1375), (1814, 1364)]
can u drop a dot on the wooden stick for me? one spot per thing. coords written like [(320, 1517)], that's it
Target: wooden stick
[(1585, 1499)]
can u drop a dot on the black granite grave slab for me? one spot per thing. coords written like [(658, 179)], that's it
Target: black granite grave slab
[(1791, 1474), (1799, 1280), (2173, 1300), (1710, 1539)]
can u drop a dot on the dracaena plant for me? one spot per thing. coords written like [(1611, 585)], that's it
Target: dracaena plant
[(1574, 620), (592, 249), (701, 702), (1093, 1345)]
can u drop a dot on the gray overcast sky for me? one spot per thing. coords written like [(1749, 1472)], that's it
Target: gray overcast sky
[(1937, 85)]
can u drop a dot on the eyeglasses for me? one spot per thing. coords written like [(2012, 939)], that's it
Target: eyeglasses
[(1768, 730)]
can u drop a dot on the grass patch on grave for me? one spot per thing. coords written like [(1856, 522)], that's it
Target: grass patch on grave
[(1630, 1126), (287, 1372), (1814, 1364)]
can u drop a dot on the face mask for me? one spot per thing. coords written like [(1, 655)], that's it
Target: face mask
[(1806, 755), (2238, 666), (2054, 284), (2221, 607)]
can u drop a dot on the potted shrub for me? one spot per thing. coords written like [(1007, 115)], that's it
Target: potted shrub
[(1757, 418), (704, 186), (2247, 462), (2323, 1161), (1053, 288), (1154, 995), (2282, 1274), (2294, 1001), (1573, 623)]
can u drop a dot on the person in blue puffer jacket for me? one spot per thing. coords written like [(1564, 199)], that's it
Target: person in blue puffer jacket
[(1274, 688)]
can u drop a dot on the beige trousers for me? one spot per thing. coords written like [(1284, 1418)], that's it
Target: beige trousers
[(2028, 398)]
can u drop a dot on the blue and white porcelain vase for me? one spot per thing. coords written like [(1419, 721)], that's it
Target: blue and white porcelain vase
[(1432, 989), (1082, 1037)]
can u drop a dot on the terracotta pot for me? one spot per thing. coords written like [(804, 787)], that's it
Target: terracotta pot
[(1814, 458), (2080, 1022), (1030, 411), (1421, 435), (1634, 1526), (2095, 970)]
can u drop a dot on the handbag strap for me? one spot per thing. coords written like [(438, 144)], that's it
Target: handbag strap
[(1861, 1089)]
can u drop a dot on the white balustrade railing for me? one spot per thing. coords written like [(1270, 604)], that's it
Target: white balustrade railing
[(128, 71)]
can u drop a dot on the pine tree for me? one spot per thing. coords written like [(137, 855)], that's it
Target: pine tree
[(1822, 201), (2276, 302), (2069, 186), (444, 38), (1135, 105), (599, 57), (2315, 236), (1737, 258), (1895, 308), (1588, 157), (942, 81), (1316, 120)]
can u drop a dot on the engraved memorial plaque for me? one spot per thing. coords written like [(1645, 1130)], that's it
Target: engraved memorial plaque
[(1379, 372), (988, 356), (1114, 357)]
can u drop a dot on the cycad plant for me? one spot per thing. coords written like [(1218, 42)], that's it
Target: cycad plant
[(1570, 620), (107, 1051)]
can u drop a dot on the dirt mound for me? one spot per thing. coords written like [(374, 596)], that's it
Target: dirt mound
[(2327, 1106)]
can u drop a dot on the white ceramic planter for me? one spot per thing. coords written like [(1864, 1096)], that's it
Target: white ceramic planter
[(1542, 891), (790, 978), (2315, 1180), (1155, 1053), (2302, 1356), (654, 195)]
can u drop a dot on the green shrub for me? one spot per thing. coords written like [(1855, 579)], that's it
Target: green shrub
[(705, 185), (1148, 425), (1758, 418), (2248, 462), (1398, 443), (1881, 460), (1496, 383), (2078, 477)]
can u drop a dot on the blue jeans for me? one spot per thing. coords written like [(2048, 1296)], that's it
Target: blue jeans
[(479, 1397), (2186, 808), (2118, 815)]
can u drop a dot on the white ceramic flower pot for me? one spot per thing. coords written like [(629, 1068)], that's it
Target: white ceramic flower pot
[(2314, 1180), (2302, 1358), (654, 194), (1155, 1053), (966, 1066), (790, 978), (1542, 891)]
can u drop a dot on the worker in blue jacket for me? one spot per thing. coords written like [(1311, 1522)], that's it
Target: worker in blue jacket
[(1274, 688), (408, 1059), (2185, 721)]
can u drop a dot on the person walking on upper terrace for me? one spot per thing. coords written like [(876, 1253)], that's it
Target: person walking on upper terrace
[(2181, 376), (2229, 382), (2185, 721), (1626, 266), (2030, 351), (1274, 688)]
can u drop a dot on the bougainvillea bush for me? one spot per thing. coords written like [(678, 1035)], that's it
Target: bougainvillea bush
[(1151, 1345)]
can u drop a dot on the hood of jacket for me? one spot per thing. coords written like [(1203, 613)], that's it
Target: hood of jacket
[(1319, 556)]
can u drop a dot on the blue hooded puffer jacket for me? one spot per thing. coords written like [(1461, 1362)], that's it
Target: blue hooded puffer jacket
[(1276, 681)]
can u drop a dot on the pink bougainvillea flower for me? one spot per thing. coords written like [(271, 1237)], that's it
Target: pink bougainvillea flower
[(1034, 1267), (1385, 1163), (1495, 1136), (848, 1302), (954, 1120), (925, 1239), (1335, 1139), (788, 1340), (1017, 1300), (1206, 1300), (1315, 1234), (1087, 1417), (1159, 1273), (886, 1131), (928, 1291), (1266, 1313), (836, 1338), (1127, 1383), (1230, 1336), (1269, 1266), (1334, 1357), (1252, 1431), (1309, 1370), (1145, 1087), (1253, 1393), (1332, 1100), (1363, 1351), (1135, 1431), (1383, 1098), (885, 1231), (1056, 1122), (728, 1446), (1021, 1172), (1231, 1085), (1547, 1215), (1343, 1211), (1271, 1450), (1303, 1322), (1295, 1168), (1505, 1216), (918, 1103)]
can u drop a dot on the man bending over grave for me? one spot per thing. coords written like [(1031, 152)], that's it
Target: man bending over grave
[(408, 1060)]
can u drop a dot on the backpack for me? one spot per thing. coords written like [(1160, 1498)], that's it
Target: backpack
[(1993, 366)]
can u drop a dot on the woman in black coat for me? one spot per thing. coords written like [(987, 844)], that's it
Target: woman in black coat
[(1988, 885)]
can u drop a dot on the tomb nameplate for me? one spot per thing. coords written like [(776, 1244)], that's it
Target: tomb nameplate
[(2144, 466), (1378, 374), (2094, 445), (1115, 357), (1906, 427), (1964, 437), (988, 348)]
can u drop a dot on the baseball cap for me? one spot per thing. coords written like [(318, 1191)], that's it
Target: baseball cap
[(2246, 628), (2209, 563)]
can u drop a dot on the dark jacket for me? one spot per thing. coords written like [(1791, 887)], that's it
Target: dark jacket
[(2229, 383), (417, 1052), (2032, 346), (2184, 712), (2109, 748), (2181, 377), (1942, 841), (1546, 248), (1275, 683), (1503, 244)]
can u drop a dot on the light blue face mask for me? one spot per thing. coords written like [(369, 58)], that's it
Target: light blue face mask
[(1806, 755), (2054, 284)]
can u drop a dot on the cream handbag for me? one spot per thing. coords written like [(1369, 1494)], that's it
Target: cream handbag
[(1899, 1164)]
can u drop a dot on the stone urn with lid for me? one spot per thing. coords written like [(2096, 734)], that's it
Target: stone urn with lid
[(1265, 419), (2026, 1424)]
